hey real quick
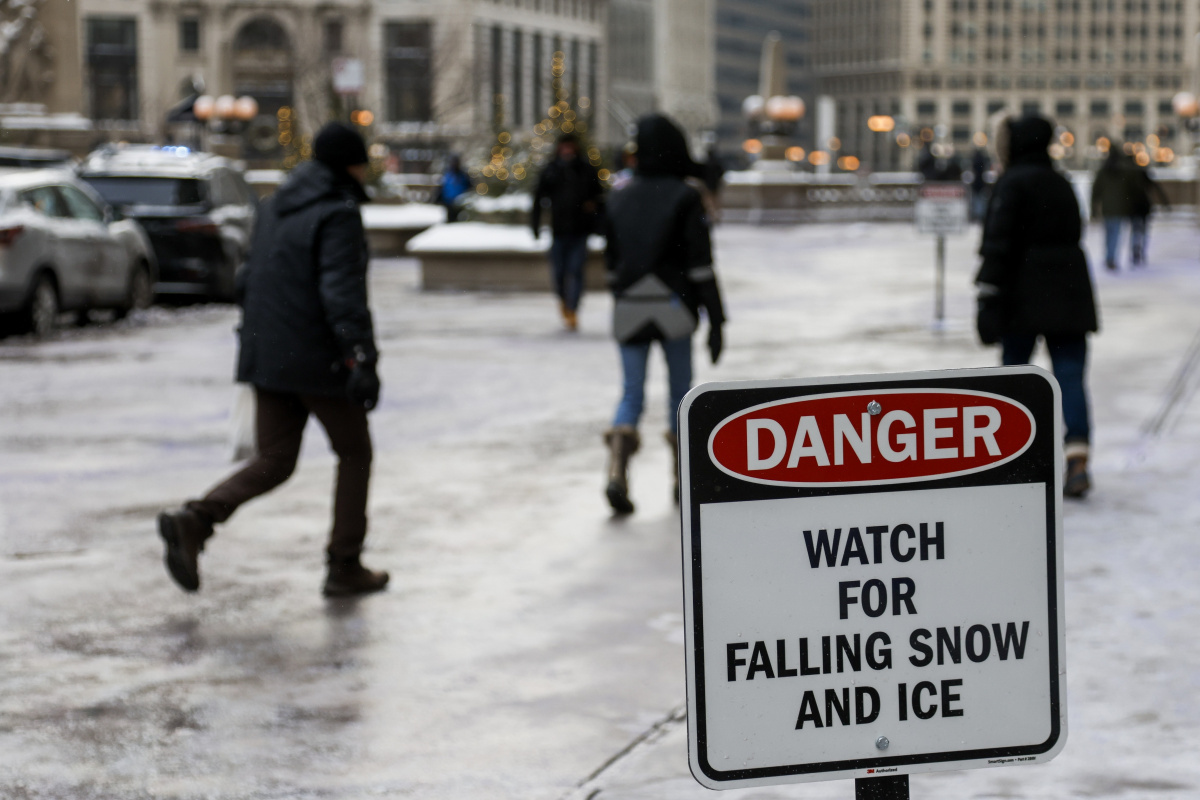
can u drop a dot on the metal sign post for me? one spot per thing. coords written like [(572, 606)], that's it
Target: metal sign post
[(873, 577), (941, 209), (939, 300)]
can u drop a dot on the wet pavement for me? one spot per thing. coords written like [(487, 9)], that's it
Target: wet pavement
[(529, 646)]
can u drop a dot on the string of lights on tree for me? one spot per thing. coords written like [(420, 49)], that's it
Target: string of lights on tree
[(509, 164)]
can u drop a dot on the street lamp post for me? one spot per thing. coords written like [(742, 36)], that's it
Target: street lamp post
[(225, 115)]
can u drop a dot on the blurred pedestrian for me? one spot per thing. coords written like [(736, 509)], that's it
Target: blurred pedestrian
[(1113, 191), (456, 183), (572, 187), (1034, 281), (981, 162), (660, 269), (307, 348), (627, 159), (1139, 212)]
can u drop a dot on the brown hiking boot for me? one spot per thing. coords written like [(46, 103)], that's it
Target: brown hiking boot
[(183, 533), (347, 577), (622, 443)]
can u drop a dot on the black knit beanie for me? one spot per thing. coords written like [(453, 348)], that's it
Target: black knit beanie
[(338, 145)]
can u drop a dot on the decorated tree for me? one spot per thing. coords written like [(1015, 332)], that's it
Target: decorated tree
[(510, 164)]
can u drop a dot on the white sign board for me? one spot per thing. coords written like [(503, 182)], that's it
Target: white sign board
[(348, 76), (873, 575), (941, 208)]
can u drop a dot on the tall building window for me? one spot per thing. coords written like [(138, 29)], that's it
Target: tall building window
[(331, 38), (189, 34), (539, 64), (518, 78), (497, 75), (112, 67), (1099, 108), (593, 65), (409, 79)]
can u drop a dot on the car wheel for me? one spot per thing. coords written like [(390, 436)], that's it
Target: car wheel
[(41, 314), (141, 292)]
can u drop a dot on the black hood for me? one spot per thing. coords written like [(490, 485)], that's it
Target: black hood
[(662, 148), (1028, 139), (313, 181)]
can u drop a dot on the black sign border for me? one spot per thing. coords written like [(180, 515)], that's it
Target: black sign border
[(709, 404)]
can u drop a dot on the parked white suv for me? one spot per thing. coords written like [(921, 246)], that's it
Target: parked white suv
[(63, 249)]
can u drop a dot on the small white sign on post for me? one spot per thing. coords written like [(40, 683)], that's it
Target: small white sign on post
[(348, 76), (873, 575), (941, 208)]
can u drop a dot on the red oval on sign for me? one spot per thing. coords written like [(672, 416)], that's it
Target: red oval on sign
[(871, 437)]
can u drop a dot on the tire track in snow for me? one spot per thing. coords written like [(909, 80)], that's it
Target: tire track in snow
[(1179, 393)]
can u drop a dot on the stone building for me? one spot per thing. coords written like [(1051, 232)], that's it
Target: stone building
[(435, 73), (1099, 68), (661, 58)]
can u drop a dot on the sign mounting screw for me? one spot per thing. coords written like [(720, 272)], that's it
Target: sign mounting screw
[(873, 408), (882, 742)]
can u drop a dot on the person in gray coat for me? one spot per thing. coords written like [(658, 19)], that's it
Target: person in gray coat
[(308, 348)]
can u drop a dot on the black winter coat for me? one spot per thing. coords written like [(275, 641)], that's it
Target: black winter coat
[(1030, 246), (575, 194), (657, 225), (304, 287)]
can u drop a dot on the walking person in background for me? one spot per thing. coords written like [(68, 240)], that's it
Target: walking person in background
[(1113, 191), (1034, 280), (455, 185), (308, 348), (660, 270), (981, 162), (572, 187), (1140, 206)]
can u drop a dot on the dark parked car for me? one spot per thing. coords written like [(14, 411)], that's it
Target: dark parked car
[(195, 207)]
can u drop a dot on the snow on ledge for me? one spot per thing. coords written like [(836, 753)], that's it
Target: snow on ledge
[(481, 237), (405, 216)]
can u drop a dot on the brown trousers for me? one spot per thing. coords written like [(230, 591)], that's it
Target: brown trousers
[(279, 425)]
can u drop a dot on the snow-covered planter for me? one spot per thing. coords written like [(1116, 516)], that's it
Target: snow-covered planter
[(475, 256), (391, 227)]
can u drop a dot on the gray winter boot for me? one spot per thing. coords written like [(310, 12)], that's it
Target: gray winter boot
[(622, 443), (673, 441), (1078, 481)]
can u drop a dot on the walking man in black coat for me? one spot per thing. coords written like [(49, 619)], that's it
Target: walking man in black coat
[(1034, 280), (572, 187), (307, 347)]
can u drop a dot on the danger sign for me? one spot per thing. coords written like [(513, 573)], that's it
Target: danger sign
[(873, 575)]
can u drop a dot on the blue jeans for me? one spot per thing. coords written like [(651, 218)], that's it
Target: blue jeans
[(633, 365), (1112, 238), (1068, 355), (568, 255), (1137, 238)]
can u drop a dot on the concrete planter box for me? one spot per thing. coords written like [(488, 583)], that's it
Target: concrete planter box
[(474, 256), (391, 227)]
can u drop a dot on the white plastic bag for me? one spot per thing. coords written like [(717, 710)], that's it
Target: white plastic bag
[(243, 443)]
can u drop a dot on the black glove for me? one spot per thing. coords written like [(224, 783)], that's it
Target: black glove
[(715, 342), (363, 386), (989, 316)]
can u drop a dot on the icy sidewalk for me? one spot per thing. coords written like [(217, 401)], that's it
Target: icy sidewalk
[(528, 641)]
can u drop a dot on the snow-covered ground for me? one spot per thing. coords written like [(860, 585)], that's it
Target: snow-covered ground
[(529, 646)]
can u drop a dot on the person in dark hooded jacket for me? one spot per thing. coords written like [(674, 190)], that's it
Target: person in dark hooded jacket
[(660, 270), (1034, 280), (308, 348)]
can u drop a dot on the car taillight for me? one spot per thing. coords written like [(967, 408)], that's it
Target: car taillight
[(9, 235), (200, 225)]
